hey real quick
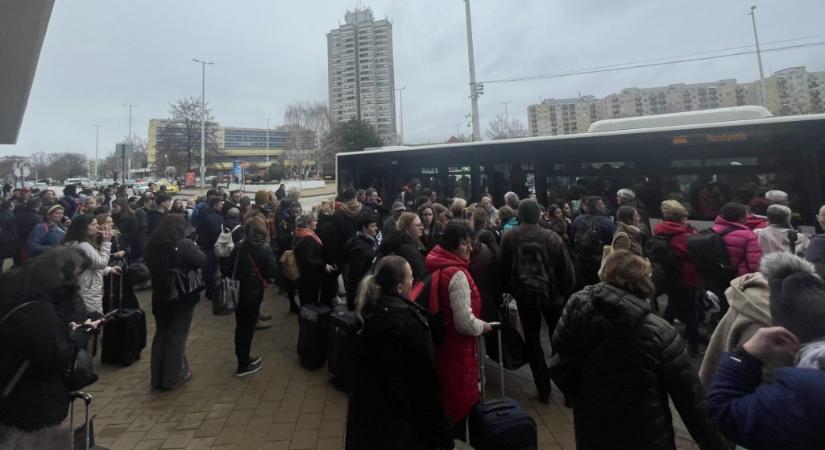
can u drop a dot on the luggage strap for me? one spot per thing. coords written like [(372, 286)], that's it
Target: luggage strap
[(25, 364)]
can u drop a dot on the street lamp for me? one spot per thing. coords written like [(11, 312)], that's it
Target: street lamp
[(758, 56), (474, 87), (506, 111), (123, 156), (203, 119), (97, 148), (401, 109)]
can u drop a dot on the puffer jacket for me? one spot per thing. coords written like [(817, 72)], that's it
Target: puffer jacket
[(677, 235), (628, 361), (91, 279), (405, 246), (742, 245), (775, 239), (749, 311)]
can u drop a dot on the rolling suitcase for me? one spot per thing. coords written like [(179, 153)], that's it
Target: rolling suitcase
[(124, 331), (512, 335), (83, 437), (500, 424), (313, 321), (343, 324)]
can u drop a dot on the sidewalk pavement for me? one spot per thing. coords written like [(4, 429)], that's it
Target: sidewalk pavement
[(284, 406)]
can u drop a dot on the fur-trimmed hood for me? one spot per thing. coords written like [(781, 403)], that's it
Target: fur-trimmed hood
[(797, 295)]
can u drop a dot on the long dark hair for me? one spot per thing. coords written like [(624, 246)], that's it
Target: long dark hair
[(77, 231), (161, 245), (125, 209)]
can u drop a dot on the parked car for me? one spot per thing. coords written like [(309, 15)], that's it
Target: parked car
[(140, 188), (171, 187)]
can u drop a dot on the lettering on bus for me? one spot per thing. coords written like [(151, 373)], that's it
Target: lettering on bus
[(680, 140), (728, 137)]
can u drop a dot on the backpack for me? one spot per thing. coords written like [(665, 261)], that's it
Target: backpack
[(709, 255), (588, 238), (425, 295), (224, 245), (289, 263), (664, 266), (531, 268)]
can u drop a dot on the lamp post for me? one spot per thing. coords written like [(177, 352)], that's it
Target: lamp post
[(123, 155), (401, 110), (97, 148), (474, 88), (758, 56), (506, 111), (203, 119)]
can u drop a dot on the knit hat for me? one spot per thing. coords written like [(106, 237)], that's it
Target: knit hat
[(528, 211), (797, 298), (55, 207)]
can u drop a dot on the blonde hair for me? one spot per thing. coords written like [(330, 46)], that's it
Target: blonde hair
[(389, 273), (405, 222), (629, 273), (326, 208), (673, 211)]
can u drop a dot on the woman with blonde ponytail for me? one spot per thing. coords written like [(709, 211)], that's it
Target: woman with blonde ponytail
[(396, 398)]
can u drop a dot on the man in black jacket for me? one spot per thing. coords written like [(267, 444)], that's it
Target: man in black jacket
[(153, 216), (346, 223), (233, 201), (539, 274), (209, 228), (360, 251)]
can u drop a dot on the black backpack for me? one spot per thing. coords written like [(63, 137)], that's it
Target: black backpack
[(664, 265), (588, 238), (709, 255), (531, 267)]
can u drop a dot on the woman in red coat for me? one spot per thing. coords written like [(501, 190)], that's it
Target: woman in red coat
[(460, 306)]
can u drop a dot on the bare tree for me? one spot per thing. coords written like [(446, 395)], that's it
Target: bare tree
[(501, 127), (307, 123), (182, 135)]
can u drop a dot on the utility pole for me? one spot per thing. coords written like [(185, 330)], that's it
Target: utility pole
[(97, 148), (474, 87), (123, 155), (203, 119), (401, 110), (506, 111), (267, 139), (758, 56)]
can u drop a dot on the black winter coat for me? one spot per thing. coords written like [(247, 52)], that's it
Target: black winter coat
[(38, 333), (360, 252), (404, 245), (209, 228), (187, 256), (346, 225), (326, 231), (310, 263), (129, 228), (628, 361), (396, 401), (26, 219), (153, 218), (252, 288)]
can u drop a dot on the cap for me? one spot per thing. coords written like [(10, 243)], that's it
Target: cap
[(398, 206)]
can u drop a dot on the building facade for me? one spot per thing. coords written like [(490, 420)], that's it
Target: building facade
[(787, 92), (361, 72)]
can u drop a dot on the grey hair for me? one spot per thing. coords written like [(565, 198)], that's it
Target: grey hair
[(822, 213), (776, 196), (779, 215), (626, 194), (511, 199), (293, 192), (779, 265), (304, 219)]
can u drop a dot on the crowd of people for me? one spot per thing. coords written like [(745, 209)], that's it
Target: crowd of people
[(595, 277)]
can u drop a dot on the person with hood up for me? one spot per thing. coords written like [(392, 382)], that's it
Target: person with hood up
[(790, 411), (628, 233), (361, 250), (406, 243), (618, 363), (777, 235), (40, 337), (460, 304), (346, 222), (741, 243)]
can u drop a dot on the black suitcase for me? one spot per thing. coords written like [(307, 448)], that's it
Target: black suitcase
[(124, 331), (312, 335), (343, 325), (500, 424), (515, 349), (84, 436)]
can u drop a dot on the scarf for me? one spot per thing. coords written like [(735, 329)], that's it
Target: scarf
[(352, 208), (301, 233)]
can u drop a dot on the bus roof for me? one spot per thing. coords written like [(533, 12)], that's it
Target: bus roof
[(766, 121), (706, 116)]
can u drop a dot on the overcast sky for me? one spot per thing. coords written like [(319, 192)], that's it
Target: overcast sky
[(100, 54)]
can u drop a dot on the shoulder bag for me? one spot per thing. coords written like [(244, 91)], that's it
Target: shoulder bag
[(227, 292), (185, 284)]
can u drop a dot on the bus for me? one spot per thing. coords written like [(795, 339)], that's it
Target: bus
[(703, 165)]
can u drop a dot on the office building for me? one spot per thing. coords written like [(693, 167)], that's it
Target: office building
[(361, 72)]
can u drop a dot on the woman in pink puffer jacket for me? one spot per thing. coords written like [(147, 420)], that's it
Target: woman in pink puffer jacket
[(742, 244)]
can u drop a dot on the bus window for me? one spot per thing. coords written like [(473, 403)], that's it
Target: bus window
[(460, 182), (519, 178)]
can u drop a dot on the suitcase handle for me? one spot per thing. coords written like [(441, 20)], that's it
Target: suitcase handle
[(501, 407), (482, 352), (87, 400)]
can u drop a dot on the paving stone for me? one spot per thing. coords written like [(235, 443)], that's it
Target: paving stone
[(178, 439), (304, 439), (126, 440), (281, 431), (230, 435), (202, 443), (191, 421), (210, 428)]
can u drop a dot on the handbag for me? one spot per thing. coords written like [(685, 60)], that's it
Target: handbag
[(82, 373), (227, 292), (184, 284), (289, 266)]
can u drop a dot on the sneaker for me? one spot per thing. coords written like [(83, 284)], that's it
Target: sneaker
[(261, 325), (249, 369)]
